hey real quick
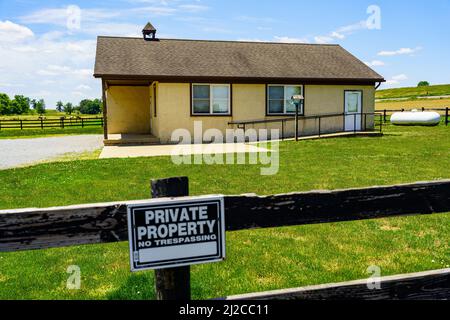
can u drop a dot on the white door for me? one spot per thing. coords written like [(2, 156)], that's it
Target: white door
[(353, 110)]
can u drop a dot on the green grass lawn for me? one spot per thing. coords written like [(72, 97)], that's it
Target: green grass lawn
[(256, 259), (39, 133), (413, 92)]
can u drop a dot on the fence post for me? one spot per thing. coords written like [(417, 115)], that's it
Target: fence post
[(320, 118), (42, 123), (384, 116), (172, 283), (296, 122), (381, 124), (21, 125), (82, 123), (446, 116)]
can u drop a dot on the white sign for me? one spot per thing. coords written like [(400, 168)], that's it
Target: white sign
[(173, 233)]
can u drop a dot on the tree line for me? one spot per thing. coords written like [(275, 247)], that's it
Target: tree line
[(86, 106), (23, 105)]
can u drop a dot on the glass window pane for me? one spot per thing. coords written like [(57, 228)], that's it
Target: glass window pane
[(293, 91), (201, 91), (201, 106), (290, 106), (276, 106), (220, 92), (276, 92), (352, 102), (220, 106)]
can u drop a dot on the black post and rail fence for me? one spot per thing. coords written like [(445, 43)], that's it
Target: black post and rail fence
[(23, 124), (41, 228)]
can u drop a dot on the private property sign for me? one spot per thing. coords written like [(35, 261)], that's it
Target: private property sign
[(173, 233)]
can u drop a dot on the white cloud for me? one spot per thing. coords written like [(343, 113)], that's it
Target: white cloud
[(290, 40), (276, 39), (400, 77), (11, 32), (152, 11), (341, 33), (323, 39), (60, 16), (193, 8), (78, 94), (251, 40), (375, 63), (397, 79), (48, 67), (401, 51), (255, 19), (112, 29), (212, 29), (83, 87)]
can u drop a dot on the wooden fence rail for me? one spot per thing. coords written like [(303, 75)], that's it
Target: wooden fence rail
[(425, 285), (26, 229)]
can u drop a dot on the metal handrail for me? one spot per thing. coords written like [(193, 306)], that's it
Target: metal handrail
[(244, 123)]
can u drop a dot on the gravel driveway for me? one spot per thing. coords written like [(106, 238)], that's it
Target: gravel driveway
[(19, 152)]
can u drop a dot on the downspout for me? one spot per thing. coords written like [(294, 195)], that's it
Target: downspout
[(378, 85)]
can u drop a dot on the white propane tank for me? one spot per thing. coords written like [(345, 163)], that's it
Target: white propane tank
[(416, 118)]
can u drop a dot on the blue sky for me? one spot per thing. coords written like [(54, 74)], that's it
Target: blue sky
[(47, 48)]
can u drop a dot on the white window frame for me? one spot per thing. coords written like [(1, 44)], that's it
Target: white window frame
[(211, 99), (302, 106)]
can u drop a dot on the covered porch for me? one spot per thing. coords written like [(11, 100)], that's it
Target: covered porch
[(129, 109)]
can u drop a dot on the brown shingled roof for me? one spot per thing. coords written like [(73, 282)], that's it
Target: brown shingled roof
[(134, 58)]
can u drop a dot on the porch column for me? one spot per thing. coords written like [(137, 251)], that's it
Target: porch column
[(105, 110)]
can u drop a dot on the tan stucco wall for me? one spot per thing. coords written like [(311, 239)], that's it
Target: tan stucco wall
[(173, 111), (248, 103), (128, 109), (328, 99)]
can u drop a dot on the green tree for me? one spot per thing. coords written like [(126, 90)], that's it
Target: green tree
[(20, 105), (60, 106), (68, 108), (4, 104), (423, 84), (90, 106), (38, 105)]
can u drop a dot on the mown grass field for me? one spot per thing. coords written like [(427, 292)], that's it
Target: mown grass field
[(413, 104), (256, 259), (413, 92)]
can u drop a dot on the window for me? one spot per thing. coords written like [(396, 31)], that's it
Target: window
[(279, 99), (353, 101), (211, 99)]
